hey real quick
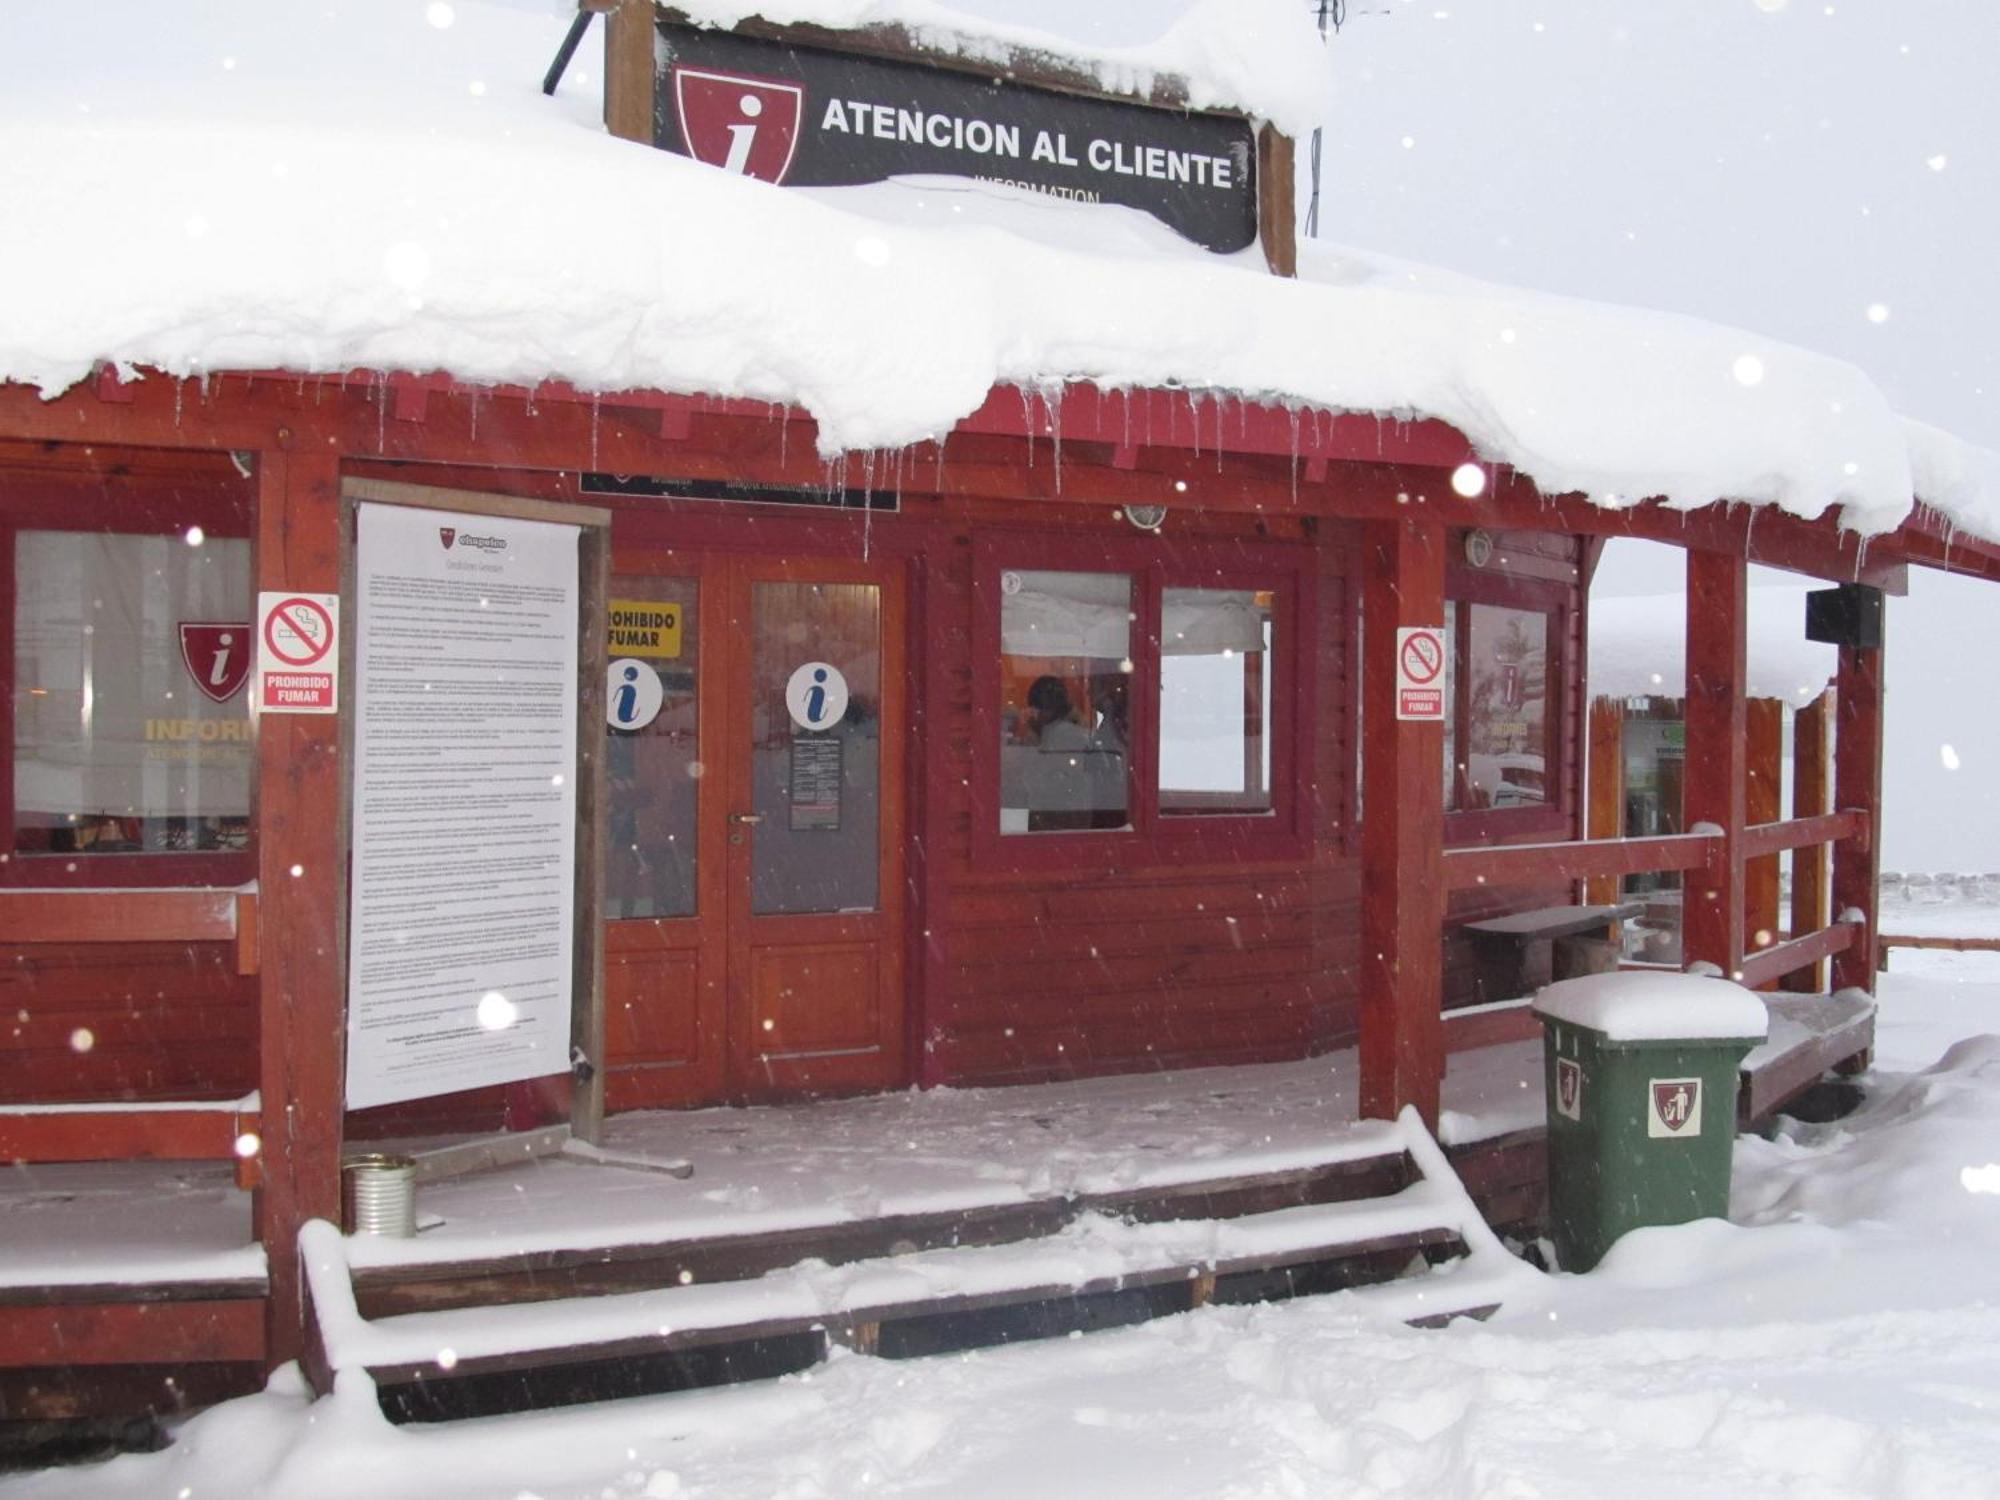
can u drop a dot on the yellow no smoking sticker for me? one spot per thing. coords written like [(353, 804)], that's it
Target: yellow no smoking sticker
[(642, 627)]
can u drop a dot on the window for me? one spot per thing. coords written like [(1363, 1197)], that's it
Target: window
[(1504, 706), (1135, 704), (131, 730), (1065, 717), (1215, 701)]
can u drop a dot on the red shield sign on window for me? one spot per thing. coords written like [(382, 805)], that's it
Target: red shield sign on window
[(217, 656), (741, 124)]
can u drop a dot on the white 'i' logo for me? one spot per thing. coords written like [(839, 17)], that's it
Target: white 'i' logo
[(742, 137), (220, 671)]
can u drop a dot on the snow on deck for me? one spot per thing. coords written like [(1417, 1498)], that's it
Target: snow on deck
[(91, 1223), (767, 1169)]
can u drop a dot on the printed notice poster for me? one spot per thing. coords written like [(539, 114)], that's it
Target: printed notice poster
[(465, 771), (816, 774)]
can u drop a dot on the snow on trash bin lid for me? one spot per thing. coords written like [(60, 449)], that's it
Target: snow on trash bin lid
[(1656, 1007)]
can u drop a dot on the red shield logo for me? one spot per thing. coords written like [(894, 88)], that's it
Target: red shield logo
[(446, 534), (217, 656), (741, 124), (1676, 1104), (1569, 1088)]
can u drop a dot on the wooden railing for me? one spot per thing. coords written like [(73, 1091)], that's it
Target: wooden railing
[(1803, 833), (1890, 940), (195, 914), (1510, 864), (196, 1130), (1587, 859)]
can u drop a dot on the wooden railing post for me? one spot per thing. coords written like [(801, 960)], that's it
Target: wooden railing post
[(1606, 768), (1763, 802), (1809, 788), (1402, 833), (1714, 784), (1857, 785), (301, 887)]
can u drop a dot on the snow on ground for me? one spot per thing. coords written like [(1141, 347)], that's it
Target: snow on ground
[(1839, 1337), (382, 186)]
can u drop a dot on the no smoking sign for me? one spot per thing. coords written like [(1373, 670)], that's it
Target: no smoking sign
[(298, 653), (1420, 672)]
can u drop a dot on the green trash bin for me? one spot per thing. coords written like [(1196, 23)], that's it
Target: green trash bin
[(1641, 1073)]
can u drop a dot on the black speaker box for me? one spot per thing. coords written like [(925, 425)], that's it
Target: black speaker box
[(1850, 615)]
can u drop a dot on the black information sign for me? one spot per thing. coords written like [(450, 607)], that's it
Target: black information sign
[(808, 118), (816, 775)]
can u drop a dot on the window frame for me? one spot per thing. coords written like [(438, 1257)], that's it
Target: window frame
[(164, 508), (1464, 587), (1152, 838)]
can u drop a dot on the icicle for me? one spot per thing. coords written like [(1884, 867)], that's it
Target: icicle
[(595, 398), (868, 504), (1028, 420), (179, 386), (1054, 405), (1292, 471)]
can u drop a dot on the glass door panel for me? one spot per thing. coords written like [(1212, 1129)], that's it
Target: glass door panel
[(653, 768), (815, 704)]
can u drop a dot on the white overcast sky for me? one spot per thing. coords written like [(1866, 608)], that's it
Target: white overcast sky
[(1825, 174)]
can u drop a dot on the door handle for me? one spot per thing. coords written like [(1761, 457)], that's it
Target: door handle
[(746, 817)]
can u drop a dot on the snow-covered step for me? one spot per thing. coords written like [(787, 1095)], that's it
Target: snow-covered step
[(1096, 1269)]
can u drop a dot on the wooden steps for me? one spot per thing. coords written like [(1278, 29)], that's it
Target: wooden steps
[(465, 1338)]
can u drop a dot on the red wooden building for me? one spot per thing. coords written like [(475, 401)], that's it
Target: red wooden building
[(1212, 840)]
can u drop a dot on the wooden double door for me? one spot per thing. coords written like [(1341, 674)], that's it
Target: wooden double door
[(754, 884)]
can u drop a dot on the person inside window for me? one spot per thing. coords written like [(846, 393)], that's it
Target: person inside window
[(1051, 724)]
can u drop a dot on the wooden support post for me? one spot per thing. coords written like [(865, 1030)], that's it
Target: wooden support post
[(629, 72), (1809, 800), (1605, 765), (1857, 784), (1763, 802), (1277, 212), (1402, 833), (1715, 776), (301, 892)]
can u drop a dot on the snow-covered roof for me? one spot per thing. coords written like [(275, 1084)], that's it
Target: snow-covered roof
[(1258, 56), (382, 186)]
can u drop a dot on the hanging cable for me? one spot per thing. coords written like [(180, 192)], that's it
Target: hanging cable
[(1331, 13)]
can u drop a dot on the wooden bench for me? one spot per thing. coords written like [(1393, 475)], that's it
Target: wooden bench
[(1811, 1035), (1517, 954)]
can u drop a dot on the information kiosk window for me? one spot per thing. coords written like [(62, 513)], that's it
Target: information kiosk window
[(131, 730), (1146, 708)]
